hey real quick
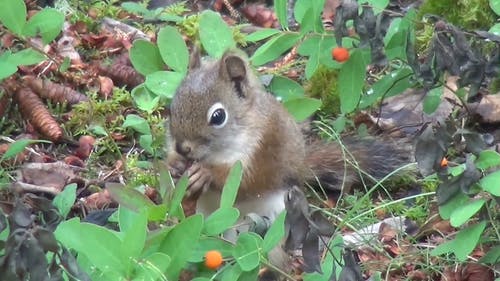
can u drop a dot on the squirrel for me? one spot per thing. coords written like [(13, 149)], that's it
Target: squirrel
[(222, 114)]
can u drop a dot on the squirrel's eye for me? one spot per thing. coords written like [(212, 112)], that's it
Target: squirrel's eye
[(217, 115)]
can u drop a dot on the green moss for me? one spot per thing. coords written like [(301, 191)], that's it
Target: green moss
[(467, 14), (323, 85)]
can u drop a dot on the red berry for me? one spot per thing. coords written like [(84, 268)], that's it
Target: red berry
[(340, 54)]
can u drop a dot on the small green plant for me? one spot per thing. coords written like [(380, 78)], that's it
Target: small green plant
[(46, 23)]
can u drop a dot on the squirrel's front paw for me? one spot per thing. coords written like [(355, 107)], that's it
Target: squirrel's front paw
[(199, 180)]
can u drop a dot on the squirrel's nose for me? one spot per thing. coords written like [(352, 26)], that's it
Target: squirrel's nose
[(183, 148)]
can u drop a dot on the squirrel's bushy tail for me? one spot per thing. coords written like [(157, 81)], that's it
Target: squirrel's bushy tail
[(336, 167)]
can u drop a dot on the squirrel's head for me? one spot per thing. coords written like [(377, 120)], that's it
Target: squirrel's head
[(212, 110)]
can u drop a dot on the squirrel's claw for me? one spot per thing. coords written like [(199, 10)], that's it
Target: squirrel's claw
[(199, 179)]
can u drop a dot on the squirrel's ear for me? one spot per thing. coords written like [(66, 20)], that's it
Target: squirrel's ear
[(195, 58), (233, 67)]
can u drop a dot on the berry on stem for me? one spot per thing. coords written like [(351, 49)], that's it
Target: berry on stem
[(213, 259)]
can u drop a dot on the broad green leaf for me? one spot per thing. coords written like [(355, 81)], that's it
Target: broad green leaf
[(465, 212), (246, 251), (492, 256), (308, 15), (100, 245), (230, 189), (275, 233), (135, 8), (274, 48), (65, 200), (144, 98), (133, 226), (220, 220), (463, 244), (47, 23), (137, 123), (27, 57), (378, 5), (215, 36), (495, 29), (206, 244), (249, 275), (261, 34), (302, 108), (7, 67), (13, 15), (153, 267), (18, 146), (145, 57), (232, 273), (285, 88), (128, 197), (164, 83), (495, 6), (456, 202), (146, 142), (487, 159), (432, 100), (490, 183), (180, 243), (351, 81), (389, 85), (173, 49), (281, 10), (98, 130)]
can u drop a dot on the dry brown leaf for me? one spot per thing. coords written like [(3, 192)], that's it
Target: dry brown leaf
[(260, 15), (488, 108)]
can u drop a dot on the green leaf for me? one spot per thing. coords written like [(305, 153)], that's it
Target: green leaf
[(351, 81), (492, 256), (275, 47), (164, 83), (220, 220), (261, 34), (281, 10), (173, 49), (495, 6), (144, 98), (98, 130), (133, 225), (100, 245), (180, 243), (230, 189), (47, 23), (432, 100), (137, 123), (275, 233), (389, 85), (175, 208), (146, 142), (378, 5), (302, 108), (18, 146), (246, 251), (27, 57), (13, 15), (153, 267), (487, 159), (465, 212), (215, 36), (463, 244), (490, 183), (7, 67), (135, 8), (495, 29), (285, 88), (128, 197), (456, 202), (145, 57), (206, 244), (65, 200)]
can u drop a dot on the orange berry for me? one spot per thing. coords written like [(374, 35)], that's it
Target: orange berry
[(213, 259), (340, 54), (444, 162)]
